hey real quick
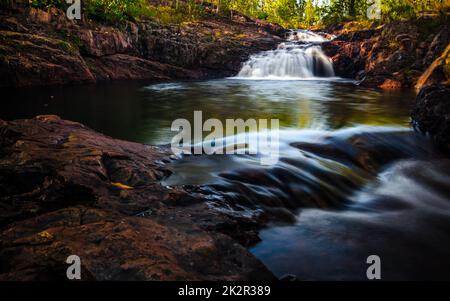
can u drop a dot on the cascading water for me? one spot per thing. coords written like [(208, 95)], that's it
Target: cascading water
[(308, 36), (301, 57)]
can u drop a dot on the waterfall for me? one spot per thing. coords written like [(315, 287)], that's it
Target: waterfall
[(299, 57), (308, 36)]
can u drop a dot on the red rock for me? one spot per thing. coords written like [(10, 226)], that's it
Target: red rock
[(39, 16), (44, 48), (67, 190), (393, 57), (391, 84), (28, 60), (105, 41)]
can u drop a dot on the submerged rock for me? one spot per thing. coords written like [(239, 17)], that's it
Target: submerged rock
[(67, 190)]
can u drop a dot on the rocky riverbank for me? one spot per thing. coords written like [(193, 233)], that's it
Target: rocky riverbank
[(66, 189), (401, 55), (43, 48), (390, 56)]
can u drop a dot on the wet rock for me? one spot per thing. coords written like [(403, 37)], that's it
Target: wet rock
[(289, 278), (431, 114), (65, 189), (346, 56), (391, 84)]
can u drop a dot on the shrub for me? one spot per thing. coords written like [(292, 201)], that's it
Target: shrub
[(116, 10), (45, 4)]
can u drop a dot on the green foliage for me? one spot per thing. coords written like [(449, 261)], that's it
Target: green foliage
[(285, 12), (310, 13), (410, 9), (397, 10), (288, 13), (295, 13), (183, 12), (344, 10), (116, 10), (262, 15), (47, 3)]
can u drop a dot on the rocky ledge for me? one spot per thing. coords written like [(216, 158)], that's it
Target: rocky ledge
[(390, 56), (67, 190), (43, 47)]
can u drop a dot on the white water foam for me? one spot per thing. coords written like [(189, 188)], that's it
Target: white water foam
[(291, 60), (307, 36)]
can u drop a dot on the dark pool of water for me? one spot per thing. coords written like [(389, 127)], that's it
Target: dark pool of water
[(143, 112)]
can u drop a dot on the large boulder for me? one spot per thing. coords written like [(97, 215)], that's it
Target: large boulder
[(431, 114)]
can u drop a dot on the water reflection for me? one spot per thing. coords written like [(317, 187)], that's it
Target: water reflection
[(143, 113)]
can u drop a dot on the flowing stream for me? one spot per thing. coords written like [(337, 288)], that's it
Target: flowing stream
[(353, 178)]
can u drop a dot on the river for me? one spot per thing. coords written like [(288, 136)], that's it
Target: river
[(353, 179)]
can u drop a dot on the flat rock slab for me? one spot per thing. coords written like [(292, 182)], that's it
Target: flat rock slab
[(67, 190)]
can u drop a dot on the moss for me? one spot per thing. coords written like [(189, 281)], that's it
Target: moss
[(70, 42), (45, 4), (21, 43), (67, 47), (393, 44), (135, 10)]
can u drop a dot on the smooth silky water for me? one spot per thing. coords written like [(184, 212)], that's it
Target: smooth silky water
[(353, 178)]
